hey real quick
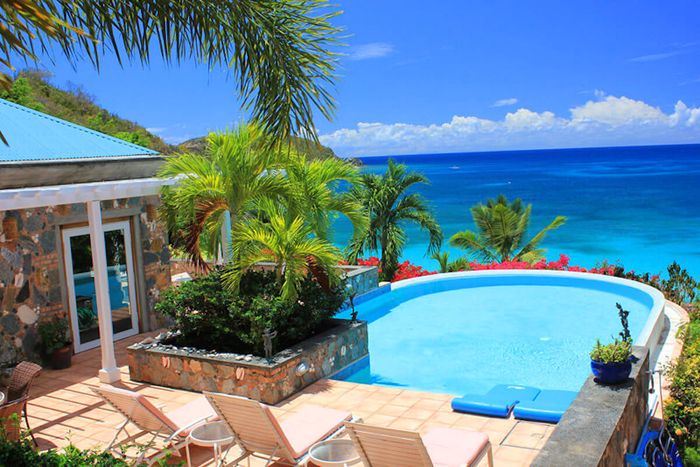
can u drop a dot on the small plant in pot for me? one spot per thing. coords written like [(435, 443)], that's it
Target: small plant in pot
[(612, 363), (55, 343)]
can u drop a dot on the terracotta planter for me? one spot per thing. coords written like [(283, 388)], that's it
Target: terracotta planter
[(61, 358)]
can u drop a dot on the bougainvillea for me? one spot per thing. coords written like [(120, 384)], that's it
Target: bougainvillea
[(407, 270)]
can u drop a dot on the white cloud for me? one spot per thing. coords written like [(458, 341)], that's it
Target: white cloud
[(505, 102), (371, 50), (615, 111), (608, 121), (656, 57), (155, 130)]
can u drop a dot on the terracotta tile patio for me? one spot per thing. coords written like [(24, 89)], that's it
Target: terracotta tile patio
[(63, 408)]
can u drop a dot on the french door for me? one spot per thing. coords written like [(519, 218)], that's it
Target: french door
[(80, 278)]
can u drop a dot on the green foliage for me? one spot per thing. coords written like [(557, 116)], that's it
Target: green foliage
[(682, 410), (443, 259), (278, 50), (22, 454), (86, 317), (32, 89), (500, 232), (210, 316), (691, 457), (390, 206), (53, 334), (618, 351)]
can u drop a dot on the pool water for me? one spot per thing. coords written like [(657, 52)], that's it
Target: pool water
[(465, 335)]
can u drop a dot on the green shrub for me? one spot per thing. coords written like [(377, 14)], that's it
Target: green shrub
[(682, 411), (22, 454), (210, 317), (618, 351), (53, 334), (691, 457)]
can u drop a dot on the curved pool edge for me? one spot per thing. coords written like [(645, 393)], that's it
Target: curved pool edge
[(649, 335)]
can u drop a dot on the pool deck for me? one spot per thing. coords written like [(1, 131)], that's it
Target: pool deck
[(62, 408)]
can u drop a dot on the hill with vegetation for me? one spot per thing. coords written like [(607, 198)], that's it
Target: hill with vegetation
[(34, 90)]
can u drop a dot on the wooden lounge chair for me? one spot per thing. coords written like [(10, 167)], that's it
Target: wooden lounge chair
[(443, 447), (259, 434), (10, 414), (21, 380), (172, 429)]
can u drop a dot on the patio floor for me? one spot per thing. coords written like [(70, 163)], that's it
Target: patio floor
[(63, 408)]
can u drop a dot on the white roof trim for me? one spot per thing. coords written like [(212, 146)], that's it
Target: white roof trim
[(34, 197)]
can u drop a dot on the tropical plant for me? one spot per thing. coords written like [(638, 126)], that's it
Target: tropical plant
[(209, 316), (620, 350), (238, 168), (287, 240), (278, 49), (390, 207), (443, 259), (53, 334), (315, 192), (500, 232)]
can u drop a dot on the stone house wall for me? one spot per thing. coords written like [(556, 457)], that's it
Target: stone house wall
[(32, 281)]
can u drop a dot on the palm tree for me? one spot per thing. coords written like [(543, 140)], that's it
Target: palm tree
[(390, 207), (237, 169), (443, 259), (278, 49), (500, 232), (315, 192), (288, 241)]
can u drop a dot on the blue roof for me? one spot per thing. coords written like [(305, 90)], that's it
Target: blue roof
[(35, 136)]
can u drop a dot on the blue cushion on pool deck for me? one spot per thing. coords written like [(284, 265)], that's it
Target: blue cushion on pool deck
[(498, 402), (548, 406)]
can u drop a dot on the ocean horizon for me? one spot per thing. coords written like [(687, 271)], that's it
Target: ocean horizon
[(637, 206)]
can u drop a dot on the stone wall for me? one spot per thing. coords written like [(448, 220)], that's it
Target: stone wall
[(603, 423), (31, 274), (245, 375)]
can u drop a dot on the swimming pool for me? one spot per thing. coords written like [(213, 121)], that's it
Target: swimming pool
[(465, 332)]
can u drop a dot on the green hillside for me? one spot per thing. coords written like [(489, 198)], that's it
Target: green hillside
[(32, 89)]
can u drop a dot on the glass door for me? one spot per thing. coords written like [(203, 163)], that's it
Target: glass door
[(80, 278)]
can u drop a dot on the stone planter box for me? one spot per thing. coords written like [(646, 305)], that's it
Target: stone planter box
[(245, 375)]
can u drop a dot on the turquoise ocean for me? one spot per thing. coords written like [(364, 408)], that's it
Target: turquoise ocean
[(636, 206)]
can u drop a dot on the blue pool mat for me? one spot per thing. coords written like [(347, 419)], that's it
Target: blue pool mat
[(548, 406), (498, 402)]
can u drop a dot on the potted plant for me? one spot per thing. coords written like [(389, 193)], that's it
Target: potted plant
[(612, 363), (55, 343)]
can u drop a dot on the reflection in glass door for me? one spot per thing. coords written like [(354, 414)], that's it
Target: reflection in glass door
[(80, 278)]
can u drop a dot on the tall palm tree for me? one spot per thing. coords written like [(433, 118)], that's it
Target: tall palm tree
[(288, 241), (315, 192), (500, 232), (278, 49), (237, 168), (390, 207)]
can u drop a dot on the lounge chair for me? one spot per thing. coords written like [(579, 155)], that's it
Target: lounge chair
[(259, 434), (21, 380), (548, 406), (444, 447), (498, 402), (172, 429)]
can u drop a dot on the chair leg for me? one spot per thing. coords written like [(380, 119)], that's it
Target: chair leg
[(490, 454), (26, 421)]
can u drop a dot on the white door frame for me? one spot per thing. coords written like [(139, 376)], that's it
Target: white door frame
[(72, 304)]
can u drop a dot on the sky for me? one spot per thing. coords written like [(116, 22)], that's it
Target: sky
[(452, 76)]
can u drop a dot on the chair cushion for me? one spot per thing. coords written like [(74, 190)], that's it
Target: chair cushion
[(191, 412), (453, 447), (548, 406), (311, 425), (498, 402)]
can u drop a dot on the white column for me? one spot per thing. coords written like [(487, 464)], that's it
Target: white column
[(226, 238), (109, 372)]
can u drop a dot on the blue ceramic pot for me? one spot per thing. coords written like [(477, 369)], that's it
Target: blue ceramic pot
[(611, 373)]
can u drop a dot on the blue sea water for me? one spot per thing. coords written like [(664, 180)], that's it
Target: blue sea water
[(637, 206)]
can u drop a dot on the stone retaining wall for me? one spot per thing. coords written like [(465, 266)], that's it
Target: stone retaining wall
[(603, 423), (245, 375)]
